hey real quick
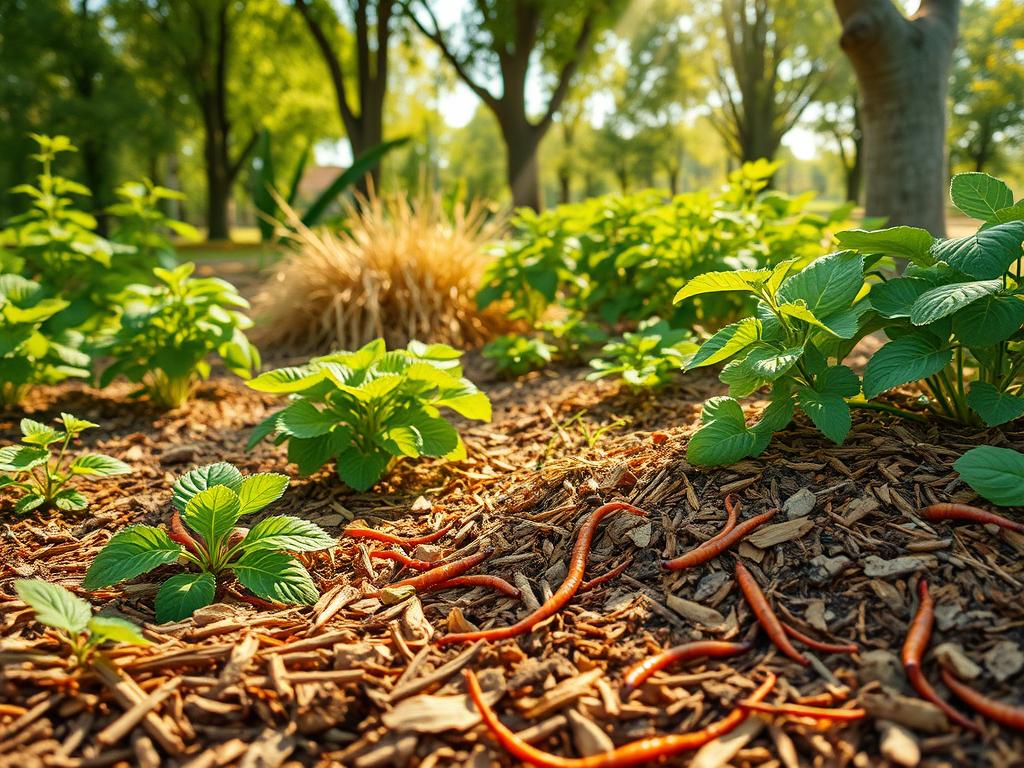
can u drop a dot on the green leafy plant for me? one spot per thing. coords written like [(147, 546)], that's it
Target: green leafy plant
[(72, 617), (514, 355), (169, 330), (573, 336), (369, 408), (805, 323), (646, 359), (42, 478), (28, 355), (995, 473), (211, 500), (954, 317), (143, 224)]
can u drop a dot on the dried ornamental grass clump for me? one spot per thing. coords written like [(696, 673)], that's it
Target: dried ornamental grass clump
[(402, 269)]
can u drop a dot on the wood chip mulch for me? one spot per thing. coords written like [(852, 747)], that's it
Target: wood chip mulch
[(353, 681)]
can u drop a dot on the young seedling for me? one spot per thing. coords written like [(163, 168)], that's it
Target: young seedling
[(42, 478), (647, 359), (515, 355), (72, 618), (210, 501)]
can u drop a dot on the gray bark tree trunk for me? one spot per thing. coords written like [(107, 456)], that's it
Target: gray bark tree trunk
[(902, 66)]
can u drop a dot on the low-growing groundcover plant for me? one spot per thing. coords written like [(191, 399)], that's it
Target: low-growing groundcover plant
[(43, 479), (646, 359), (72, 617), (210, 500), (515, 355), (995, 473), (369, 408), (169, 330)]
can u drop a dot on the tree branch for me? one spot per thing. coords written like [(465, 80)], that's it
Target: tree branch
[(568, 71), (348, 117)]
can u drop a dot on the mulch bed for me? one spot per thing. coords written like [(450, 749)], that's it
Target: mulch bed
[(356, 682)]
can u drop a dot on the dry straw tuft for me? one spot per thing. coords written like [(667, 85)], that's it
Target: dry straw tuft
[(403, 269)]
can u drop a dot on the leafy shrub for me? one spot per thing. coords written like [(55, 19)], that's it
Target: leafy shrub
[(168, 332), (995, 473), (143, 225), (28, 356), (368, 408), (72, 618), (211, 500), (515, 355), (623, 257), (646, 359), (804, 325), (573, 336), (42, 478), (955, 315)]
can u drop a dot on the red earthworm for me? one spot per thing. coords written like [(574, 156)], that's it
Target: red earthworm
[(441, 573), (640, 752), (399, 557), (818, 645), (569, 587), (612, 574), (716, 546), (949, 511), (799, 710), (1012, 717), (360, 532), (480, 580), (693, 557), (179, 535), (765, 615), (918, 637), (639, 672)]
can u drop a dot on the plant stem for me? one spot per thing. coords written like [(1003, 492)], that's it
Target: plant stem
[(871, 405)]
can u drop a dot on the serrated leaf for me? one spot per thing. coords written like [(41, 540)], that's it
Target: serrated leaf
[(99, 465), (213, 514), (401, 440), (993, 406), (908, 358), (716, 282), (724, 437), (827, 285), (911, 243), (828, 411), (438, 437), (289, 533), (22, 458), (275, 576), (259, 490), (466, 401), (989, 320), (729, 341), (201, 478), (944, 300), (54, 606), (135, 550), (303, 419), (979, 195), (995, 473), (183, 594), (895, 298), (70, 500), (287, 380), (359, 470), (73, 425), (985, 255), (35, 433), (309, 455), (28, 502), (112, 629)]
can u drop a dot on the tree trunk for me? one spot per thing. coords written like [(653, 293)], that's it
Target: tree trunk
[(218, 188), (564, 185), (902, 68), (522, 169)]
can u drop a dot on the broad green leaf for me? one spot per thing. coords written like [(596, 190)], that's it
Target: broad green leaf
[(112, 629), (70, 500), (838, 380), (466, 401), (995, 473), (257, 491), (99, 465), (895, 298), (22, 458), (827, 285), (827, 410), (73, 425), (724, 437), (201, 478), (908, 358), (985, 255), (288, 533), (213, 514), (287, 380), (438, 437), (716, 282), (133, 551), (726, 343), (401, 440), (28, 502), (909, 242), (303, 419), (36, 433), (54, 606), (989, 320), (275, 576), (993, 406), (360, 471), (309, 455), (946, 299), (183, 594), (1013, 212), (262, 430), (979, 195), (741, 380)]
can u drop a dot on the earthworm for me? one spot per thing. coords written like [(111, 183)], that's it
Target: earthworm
[(716, 546), (360, 532), (640, 752), (689, 557), (573, 579), (765, 615), (426, 580), (818, 645), (800, 710), (612, 574), (480, 580), (399, 557), (1012, 717), (949, 511), (179, 535), (918, 637), (639, 672)]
